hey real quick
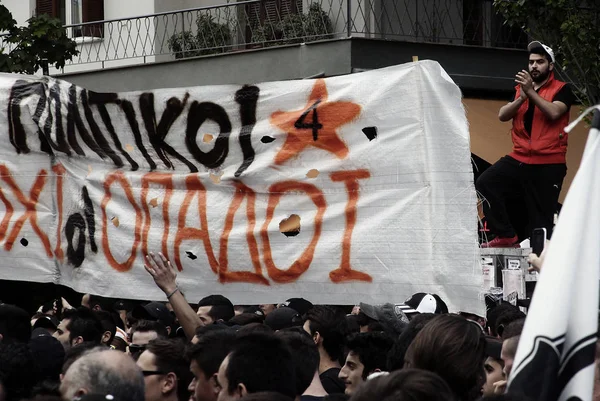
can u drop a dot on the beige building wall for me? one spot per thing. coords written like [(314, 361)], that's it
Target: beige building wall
[(490, 138)]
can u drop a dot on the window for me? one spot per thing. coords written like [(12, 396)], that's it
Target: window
[(73, 12), (267, 13)]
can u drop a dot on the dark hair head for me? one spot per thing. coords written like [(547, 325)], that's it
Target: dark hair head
[(74, 353), (395, 359), (222, 308), (83, 323), (211, 349), (108, 324), (405, 385), (46, 397), (513, 329), (371, 348), (100, 302), (540, 50), (500, 316), (304, 353), (330, 323), (202, 330), (246, 318), (145, 326), (262, 362), (131, 320), (15, 324), (266, 396), (454, 348), (169, 356), (352, 324), (254, 328), (17, 370)]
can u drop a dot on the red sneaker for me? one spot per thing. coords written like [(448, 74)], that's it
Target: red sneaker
[(501, 242)]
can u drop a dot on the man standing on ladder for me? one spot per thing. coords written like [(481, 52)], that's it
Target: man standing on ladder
[(535, 169)]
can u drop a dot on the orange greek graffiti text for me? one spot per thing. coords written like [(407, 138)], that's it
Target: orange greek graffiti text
[(30, 208), (59, 170), (226, 276), (350, 179), (119, 177), (303, 262), (166, 181), (194, 187)]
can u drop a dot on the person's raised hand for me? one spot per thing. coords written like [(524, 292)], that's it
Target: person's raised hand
[(525, 81), (522, 94), (536, 261), (162, 272), (65, 304)]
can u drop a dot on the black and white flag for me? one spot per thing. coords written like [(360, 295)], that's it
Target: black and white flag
[(555, 358)]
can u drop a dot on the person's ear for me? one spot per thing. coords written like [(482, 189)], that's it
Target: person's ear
[(551, 66), (169, 330), (317, 337), (214, 382), (169, 383), (96, 308), (105, 337), (241, 390), (76, 341)]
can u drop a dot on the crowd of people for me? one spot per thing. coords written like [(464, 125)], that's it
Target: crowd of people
[(216, 351)]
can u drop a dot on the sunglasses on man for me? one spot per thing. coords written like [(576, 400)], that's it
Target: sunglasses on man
[(136, 348)]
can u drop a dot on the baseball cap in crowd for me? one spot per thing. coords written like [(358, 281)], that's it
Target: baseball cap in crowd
[(154, 311), (422, 302), (48, 354), (283, 318), (300, 305), (388, 315), (369, 310), (46, 322), (547, 49)]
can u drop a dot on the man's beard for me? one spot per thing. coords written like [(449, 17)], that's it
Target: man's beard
[(541, 77)]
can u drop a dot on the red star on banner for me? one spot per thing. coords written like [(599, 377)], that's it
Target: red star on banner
[(314, 125)]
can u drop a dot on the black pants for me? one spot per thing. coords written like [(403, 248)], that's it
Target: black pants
[(538, 185)]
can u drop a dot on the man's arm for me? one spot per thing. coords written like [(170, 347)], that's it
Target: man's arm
[(509, 111), (164, 276), (552, 110)]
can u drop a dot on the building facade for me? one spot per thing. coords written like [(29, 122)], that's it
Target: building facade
[(145, 44)]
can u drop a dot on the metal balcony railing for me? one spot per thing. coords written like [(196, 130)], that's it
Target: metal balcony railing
[(253, 24)]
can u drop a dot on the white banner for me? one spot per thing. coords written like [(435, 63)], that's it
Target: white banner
[(340, 190), (556, 358)]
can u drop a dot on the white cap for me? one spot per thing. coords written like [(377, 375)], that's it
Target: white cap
[(548, 50)]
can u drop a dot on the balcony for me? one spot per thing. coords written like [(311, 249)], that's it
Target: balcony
[(254, 24)]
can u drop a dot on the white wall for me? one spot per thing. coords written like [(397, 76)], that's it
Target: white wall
[(125, 42), (21, 10)]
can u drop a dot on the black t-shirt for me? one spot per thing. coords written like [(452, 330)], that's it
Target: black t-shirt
[(565, 95), (331, 383)]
